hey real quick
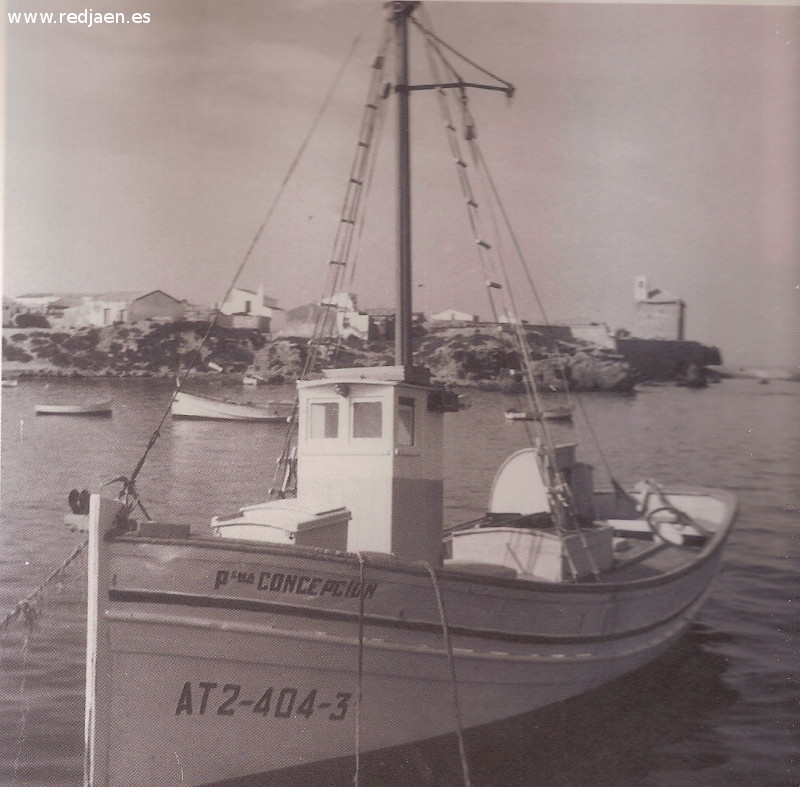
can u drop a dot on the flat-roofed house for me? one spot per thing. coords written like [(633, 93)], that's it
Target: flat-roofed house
[(248, 309)]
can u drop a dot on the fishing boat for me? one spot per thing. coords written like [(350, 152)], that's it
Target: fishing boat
[(563, 413), (186, 405), (9, 382), (339, 616), (81, 408)]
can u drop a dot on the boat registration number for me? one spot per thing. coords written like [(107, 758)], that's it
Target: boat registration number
[(207, 698)]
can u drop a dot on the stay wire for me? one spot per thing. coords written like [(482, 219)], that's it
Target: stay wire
[(129, 483), (324, 319), (447, 46), (534, 401), (524, 265)]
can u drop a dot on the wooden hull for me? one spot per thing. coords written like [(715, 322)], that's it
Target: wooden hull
[(210, 659), (207, 408), (90, 408)]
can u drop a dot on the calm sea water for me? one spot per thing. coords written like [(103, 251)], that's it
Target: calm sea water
[(722, 709)]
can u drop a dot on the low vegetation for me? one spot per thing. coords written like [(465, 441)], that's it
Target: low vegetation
[(466, 356)]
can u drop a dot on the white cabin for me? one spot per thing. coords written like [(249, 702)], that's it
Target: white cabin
[(370, 446)]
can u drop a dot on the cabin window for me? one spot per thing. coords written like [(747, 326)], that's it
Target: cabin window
[(248, 307), (367, 419), (324, 420), (405, 421)]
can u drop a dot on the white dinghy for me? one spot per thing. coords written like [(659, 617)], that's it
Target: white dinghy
[(209, 408), (339, 616)]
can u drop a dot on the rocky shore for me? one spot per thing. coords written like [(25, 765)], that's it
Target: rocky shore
[(468, 356)]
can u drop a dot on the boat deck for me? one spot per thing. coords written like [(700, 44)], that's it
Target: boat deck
[(644, 559), (638, 554)]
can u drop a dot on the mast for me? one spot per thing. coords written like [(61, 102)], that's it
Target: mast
[(402, 333)]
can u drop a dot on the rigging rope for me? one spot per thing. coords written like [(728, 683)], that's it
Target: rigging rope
[(430, 34), (483, 169), (352, 215), (558, 490), (524, 265), (488, 254), (129, 488)]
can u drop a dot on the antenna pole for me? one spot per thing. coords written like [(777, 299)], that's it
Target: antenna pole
[(402, 333)]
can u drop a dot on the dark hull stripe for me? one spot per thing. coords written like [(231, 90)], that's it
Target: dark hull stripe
[(387, 563), (248, 605)]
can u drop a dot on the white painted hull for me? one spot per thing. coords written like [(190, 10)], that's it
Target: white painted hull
[(407, 694), (207, 408), (183, 619)]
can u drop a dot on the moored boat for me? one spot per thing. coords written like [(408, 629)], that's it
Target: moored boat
[(185, 405), (339, 616), (82, 408), (548, 414)]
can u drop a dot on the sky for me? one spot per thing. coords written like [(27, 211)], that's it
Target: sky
[(653, 140)]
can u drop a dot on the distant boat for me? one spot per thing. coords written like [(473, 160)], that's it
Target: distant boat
[(186, 405), (695, 377), (85, 408), (10, 382), (563, 413)]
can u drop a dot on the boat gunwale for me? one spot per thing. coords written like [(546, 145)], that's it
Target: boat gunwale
[(389, 563), (196, 600)]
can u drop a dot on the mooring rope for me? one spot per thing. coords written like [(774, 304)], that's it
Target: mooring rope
[(22, 731), (360, 678), (26, 607), (462, 749)]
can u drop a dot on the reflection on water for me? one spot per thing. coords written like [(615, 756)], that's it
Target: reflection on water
[(720, 709)]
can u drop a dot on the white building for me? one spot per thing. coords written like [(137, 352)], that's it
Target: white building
[(95, 310), (242, 301), (36, 302), (349, 320), (659, 314), (248, 309), (453, 315)]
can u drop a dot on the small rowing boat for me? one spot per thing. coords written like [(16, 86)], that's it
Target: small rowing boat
[(186, 405), (551, 414), (85, 408)]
